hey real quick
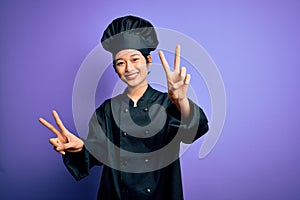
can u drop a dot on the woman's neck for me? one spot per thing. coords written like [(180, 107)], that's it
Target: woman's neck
[(136, 93)]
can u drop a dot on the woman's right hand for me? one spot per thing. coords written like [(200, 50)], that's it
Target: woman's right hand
[(65, 140)]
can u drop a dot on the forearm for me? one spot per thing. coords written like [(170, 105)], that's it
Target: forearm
[(196, 124), (183, 105)]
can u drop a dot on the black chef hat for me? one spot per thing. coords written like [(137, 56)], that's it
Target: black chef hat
[(129, 32)]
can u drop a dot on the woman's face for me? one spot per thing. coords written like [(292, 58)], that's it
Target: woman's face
[(131, 67)]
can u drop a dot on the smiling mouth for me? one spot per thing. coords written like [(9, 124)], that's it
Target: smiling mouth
[(131, 76)]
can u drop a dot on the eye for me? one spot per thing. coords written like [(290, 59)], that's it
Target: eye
[(135, 59), (120, 63)]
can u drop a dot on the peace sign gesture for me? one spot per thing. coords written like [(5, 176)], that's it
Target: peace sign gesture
[(65, 140), (178, 81)]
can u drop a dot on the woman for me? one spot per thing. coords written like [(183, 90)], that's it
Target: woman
[(136, 135)]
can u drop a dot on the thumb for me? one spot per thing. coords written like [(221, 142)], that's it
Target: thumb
[(69, 145), (74, 146)]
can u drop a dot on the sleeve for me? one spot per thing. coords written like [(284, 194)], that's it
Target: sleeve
[(191, 128), (79, 164)]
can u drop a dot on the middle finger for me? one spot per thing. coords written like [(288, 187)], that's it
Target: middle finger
[(177, 59)]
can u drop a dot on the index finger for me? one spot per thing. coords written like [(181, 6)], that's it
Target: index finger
[(164, 62), (52, 128)]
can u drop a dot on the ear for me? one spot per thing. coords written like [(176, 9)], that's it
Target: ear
[(149, 61)]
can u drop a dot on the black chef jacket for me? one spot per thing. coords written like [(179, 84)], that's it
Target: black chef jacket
[(142, 175)]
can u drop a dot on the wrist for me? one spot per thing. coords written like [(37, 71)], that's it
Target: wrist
[(182, 100)]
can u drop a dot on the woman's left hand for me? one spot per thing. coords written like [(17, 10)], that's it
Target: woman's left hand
[(178, 80)]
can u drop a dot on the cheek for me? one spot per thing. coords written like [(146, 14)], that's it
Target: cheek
[(144, 71), (143, 68), (119, 71)]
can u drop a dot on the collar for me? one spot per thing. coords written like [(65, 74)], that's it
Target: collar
[(148, 94)]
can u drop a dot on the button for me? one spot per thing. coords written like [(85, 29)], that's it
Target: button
[(126, 110), (124, 133), (124, 163), (148, 190), (145, 109), (146, 160), (146, 132)]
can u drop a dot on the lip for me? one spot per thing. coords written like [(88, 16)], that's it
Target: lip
[(131, 76)]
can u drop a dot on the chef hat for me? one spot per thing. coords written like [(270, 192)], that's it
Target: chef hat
[(129, 32)]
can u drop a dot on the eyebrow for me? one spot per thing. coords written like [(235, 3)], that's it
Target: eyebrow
[(135, 54)]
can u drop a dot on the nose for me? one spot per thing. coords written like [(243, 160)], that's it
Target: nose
[(129, 66)]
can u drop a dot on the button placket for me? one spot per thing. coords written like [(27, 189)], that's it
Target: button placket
[(123, 116)]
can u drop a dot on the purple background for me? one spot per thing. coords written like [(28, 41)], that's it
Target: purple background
[(255, 44)]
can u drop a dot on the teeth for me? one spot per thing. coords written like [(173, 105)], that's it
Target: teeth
[(131, 75)]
